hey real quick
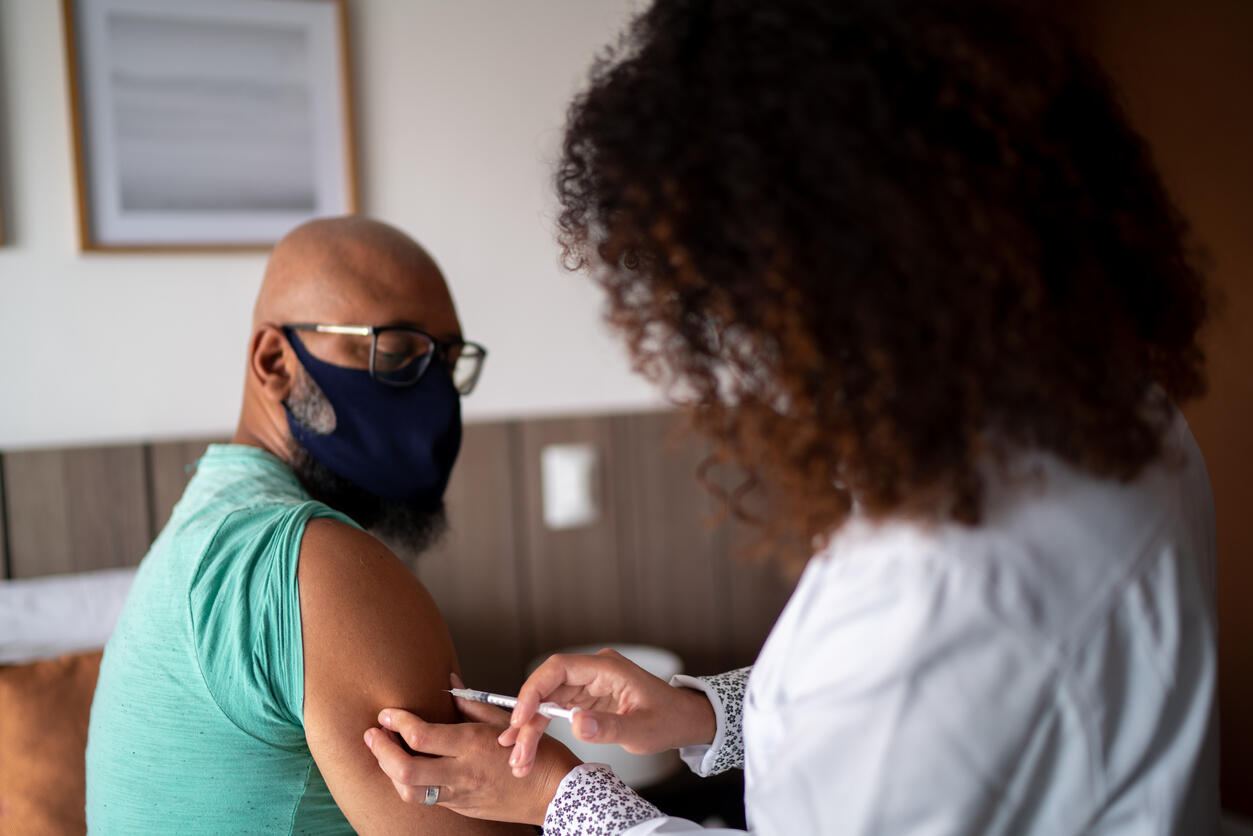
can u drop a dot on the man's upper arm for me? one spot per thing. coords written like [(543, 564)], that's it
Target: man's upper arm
[(373, 638)]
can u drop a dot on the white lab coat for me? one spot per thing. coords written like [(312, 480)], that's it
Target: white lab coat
[(1050, 671)]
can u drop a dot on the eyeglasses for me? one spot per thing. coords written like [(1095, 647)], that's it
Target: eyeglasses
[(399, 356)]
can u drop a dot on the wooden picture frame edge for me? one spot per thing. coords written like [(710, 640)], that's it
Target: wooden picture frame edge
[(87, 242), (70, 25), (350, 109)]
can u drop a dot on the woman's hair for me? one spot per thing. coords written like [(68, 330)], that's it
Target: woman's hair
[(870, 242)]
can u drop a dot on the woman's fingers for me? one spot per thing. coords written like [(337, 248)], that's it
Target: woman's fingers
[(428, 738), (416, 794), (546, 679), (470, 768), (561, 675), (409, 793), (537, 724), (527, 742), (591, 726), (404, 769), (508, 737), (606, 685)]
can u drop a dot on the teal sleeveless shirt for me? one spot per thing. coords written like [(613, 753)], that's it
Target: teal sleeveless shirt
[(198, 720)]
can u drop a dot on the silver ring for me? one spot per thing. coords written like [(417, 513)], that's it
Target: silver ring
[(432, 796)]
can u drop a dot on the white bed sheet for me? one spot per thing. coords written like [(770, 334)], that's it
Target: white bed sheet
[(41, 618)]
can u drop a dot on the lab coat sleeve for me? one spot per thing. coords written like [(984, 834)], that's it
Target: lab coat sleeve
[(592, 801), (726, 694)]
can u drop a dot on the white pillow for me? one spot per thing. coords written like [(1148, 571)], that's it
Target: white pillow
[(41, 618)]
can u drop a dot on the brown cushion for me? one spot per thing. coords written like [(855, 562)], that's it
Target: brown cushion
[(44, 708)]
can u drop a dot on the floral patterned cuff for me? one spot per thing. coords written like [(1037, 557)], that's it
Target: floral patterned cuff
[(726, 694), (592, 801)]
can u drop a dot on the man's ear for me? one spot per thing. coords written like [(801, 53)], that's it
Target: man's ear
[(272, 362)]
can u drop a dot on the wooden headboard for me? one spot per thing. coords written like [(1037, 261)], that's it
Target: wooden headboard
[(651, 569)]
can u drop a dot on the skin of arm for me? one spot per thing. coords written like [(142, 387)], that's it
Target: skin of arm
[(373, 638)]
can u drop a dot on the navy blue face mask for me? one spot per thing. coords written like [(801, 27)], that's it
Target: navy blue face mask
[(396, 443)]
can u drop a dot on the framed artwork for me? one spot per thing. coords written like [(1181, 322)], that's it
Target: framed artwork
[(208, 124)]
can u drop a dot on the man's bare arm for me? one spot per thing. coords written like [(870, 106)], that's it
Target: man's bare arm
[(373, 638)]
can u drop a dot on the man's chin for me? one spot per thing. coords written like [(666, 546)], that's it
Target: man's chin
[(406, 529)]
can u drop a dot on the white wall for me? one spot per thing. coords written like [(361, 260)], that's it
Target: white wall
[(459, 109)]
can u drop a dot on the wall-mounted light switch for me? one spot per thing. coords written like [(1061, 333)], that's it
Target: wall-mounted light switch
[(570, 476)]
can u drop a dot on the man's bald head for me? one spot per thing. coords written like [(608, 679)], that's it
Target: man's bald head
[(354, 270), (351, 271)]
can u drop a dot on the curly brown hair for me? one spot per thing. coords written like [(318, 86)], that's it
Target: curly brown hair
[(869, 243)]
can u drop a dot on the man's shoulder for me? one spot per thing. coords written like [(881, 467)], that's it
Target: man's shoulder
[(346, 573), (348, 561), (325, 534)]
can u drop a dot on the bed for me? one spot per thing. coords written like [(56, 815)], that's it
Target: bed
[(52, 630)]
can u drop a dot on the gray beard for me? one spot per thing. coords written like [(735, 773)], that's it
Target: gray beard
[(405, 528)]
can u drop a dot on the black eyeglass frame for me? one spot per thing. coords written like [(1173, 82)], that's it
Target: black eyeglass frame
[(440, 347)]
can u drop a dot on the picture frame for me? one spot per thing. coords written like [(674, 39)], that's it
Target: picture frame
[(208, 124)]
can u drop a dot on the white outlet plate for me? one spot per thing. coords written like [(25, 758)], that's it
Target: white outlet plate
[(570, 477)]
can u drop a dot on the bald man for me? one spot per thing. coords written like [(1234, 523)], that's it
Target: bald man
[(267, 626)]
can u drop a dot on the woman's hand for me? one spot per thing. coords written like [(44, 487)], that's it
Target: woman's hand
[(467, 764), (622, 703)]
